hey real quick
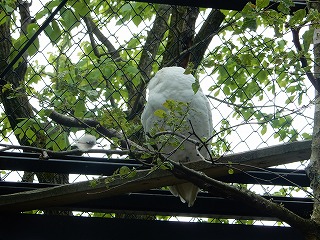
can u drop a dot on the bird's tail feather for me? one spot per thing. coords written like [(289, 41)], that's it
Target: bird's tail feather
[(186, 191)]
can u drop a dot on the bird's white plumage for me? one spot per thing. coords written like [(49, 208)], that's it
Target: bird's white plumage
[(171, 83), (86, 142)]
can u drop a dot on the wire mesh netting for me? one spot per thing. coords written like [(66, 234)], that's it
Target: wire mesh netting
[(88, 70)]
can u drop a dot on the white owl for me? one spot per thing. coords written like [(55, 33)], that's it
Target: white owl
[(171, 83)]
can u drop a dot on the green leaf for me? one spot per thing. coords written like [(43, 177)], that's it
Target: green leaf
[(81, 7), (3, 18), (94, 182), (69, 19), (290, 99), (160, 113), (189, 69), (307, 39), (246, 114), (92, 94), (284, 8), (137, 20), (248, 10), (195, 86), (169, 104), (262, 76), (126, 172), (250, 23), (53, 32), (291, 89), (80, 108), (264, 129), (8, 8), (226, 90), (262, 3), (34, 47), (31, 135), (6, 87), (216, 93), (132, 70), (164, 165), (297, 17), (306, 136), (17, 45)]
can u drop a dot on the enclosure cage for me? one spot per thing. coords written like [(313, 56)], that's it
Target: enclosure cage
[(70, 68)]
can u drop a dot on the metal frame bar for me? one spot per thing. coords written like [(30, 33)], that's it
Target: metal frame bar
[(39, 227)]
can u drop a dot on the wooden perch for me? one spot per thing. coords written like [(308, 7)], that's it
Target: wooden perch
[(144, 179)]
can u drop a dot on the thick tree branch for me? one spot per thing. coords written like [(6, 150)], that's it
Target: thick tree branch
[(303, 59), (205, 35), (92, 40), (14, 100), (246, 197), (154, 38), (86, 123), (146, 179), (46, 153), (93, 28), (148, 55), (181, 35), (194, 46)]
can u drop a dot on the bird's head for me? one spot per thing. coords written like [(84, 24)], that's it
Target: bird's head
[(86, 142)]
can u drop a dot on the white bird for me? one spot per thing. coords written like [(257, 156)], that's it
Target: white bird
[(171, 83), (86, 142)]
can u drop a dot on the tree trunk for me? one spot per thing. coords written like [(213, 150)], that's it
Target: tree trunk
[(313, 169), (202, 40), (14, 97), (181, 36)]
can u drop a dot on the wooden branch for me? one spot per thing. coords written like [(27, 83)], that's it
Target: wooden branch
[(144, 179), (180, 36), (154, 38), (87, 122), (91, 37), (245, 197), (204, 36), (303, 60), (195, 45), (148, 55), (93, 28), (50, 153)]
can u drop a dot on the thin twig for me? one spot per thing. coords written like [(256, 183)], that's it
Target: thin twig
[(203, 144), (175, 134)]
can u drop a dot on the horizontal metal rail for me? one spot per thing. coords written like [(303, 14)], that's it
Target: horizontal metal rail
[(38, 227)]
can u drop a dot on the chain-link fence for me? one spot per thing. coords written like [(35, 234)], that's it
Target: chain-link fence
[(83, 67)]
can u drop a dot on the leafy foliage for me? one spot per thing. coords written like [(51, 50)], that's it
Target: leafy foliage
[(88, 64)]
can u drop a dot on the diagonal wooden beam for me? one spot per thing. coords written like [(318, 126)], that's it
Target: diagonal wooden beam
[(145, 179)]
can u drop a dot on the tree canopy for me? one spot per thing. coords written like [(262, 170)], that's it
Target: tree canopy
[(89, 67)]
